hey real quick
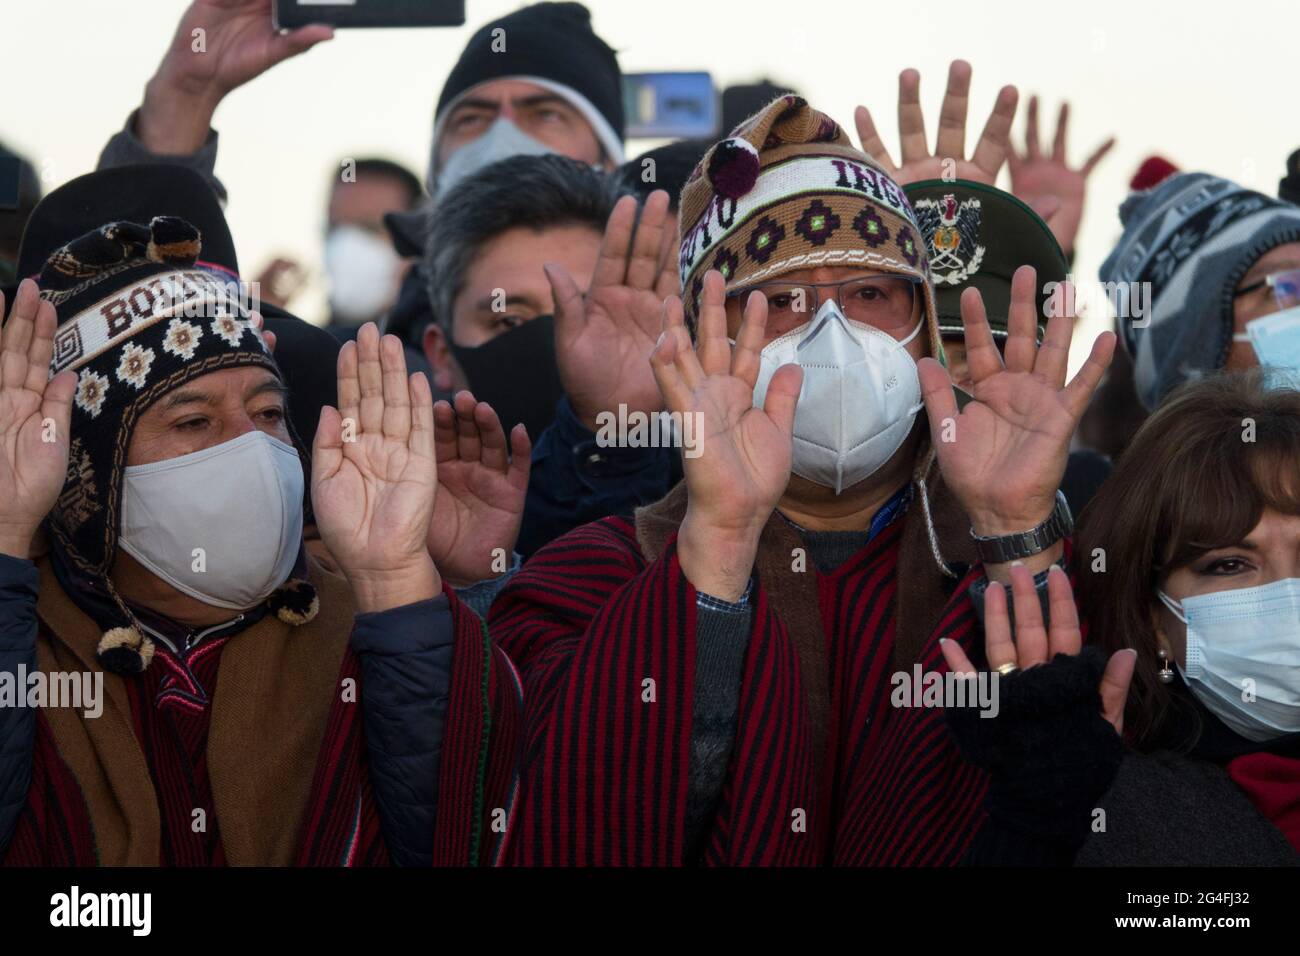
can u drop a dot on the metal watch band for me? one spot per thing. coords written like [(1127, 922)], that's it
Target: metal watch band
[(1025, 544)]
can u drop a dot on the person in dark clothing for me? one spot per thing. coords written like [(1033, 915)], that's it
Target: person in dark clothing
[(13, 220), (486, 262), (1188, 571), (146, 417)]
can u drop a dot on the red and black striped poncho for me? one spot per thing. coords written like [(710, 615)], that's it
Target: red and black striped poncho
[(605, 772)]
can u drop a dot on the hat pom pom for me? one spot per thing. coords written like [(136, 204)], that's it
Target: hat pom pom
[(295, 602), (173, 240), (124, 651), (733, 167)]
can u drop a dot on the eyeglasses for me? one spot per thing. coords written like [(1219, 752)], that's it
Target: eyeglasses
[(1285, 286), (885, 302)]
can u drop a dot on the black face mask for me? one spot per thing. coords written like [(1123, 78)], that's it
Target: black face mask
[(516, 373)]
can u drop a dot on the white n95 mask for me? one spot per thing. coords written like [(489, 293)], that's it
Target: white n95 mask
[(1242, 644), (240, 502), (860, 395)]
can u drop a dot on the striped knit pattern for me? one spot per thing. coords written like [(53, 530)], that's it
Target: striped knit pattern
[(341, 824), (171, 706), (605, 769), (54, 829), (480, 749)]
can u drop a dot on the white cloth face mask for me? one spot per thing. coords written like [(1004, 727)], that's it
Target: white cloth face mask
[(362, 269), (1243, 644), (223, 525), (502, 140), (860, 395)]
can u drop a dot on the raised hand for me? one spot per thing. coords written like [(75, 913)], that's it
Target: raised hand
[(481, 489), (1004, 454), (603, 338), (35, 417), (1036, 644), (1047, 183), (918, 163), (744, 457), (238, 42), (374, 474)]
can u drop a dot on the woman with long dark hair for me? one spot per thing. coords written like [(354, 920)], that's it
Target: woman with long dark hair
[(1187, 569)]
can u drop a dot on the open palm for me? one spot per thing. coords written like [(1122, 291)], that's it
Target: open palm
[(1045, 180), (949, 158), (737, 474), (481, 490), (1005, 453), (373, 469), (604, 336), (35, 415)]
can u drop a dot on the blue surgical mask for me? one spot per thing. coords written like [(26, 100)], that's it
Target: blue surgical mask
[(1276, 341), (1243, 656)]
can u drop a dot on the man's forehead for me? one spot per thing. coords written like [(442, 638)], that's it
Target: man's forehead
[(1285, 256), (223, 382), (500, 91)]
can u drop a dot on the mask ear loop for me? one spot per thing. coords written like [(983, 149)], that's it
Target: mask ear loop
[(1175, 607)]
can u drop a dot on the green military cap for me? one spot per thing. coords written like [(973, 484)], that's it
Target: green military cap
[(978, 236)]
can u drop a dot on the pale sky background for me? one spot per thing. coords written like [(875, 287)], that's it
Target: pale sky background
[(1211, 88)]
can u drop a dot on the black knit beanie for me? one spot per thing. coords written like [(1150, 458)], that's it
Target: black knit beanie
[(553, 41)]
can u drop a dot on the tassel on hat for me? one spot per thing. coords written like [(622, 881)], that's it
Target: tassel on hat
[(124, 651), (732, 167), (294, 602)]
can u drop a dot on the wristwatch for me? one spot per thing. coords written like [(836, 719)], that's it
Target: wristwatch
[(1025, 544)]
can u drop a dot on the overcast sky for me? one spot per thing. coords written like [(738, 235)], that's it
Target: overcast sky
[(1212, 88)]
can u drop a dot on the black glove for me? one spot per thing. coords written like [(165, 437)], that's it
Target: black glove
[(1049, 752)]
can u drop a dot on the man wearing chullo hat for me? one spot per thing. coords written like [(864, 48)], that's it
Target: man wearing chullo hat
[(715, 676), (141, 408)]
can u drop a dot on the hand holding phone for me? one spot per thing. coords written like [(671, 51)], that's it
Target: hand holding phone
[(289, 14)]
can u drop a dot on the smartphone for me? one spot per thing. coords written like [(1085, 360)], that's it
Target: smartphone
[(10, 173), (290, 14), (670, 105)]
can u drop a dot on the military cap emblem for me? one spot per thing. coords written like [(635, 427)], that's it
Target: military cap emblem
[(951, 230)]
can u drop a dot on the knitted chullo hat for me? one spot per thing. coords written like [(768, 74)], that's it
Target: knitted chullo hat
[(1192, 239), (787, 190), (136, 319)]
